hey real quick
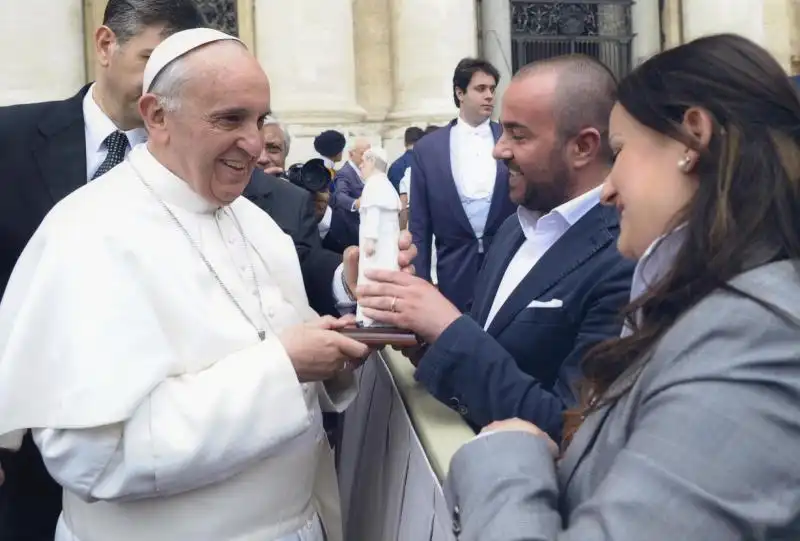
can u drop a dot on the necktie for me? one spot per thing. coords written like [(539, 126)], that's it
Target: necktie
[(116, 143)]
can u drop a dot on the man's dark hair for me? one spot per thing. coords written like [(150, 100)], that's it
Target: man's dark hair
[(128, 18), (430, 129), (586, 91), (466, 69), (412, 135)]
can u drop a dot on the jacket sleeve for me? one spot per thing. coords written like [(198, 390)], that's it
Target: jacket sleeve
[(343, 195), (708, 451), (420, 219), (467, 368), (317, 264)]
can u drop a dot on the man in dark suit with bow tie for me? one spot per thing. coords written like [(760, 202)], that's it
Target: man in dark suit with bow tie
[(553, 282)]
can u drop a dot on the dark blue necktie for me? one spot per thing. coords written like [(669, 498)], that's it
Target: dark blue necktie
[(117, 144)]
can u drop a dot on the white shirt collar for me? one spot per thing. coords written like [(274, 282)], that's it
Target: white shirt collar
[(567, 214), (358, 170), (99, 126), (171, 188), (482, 129), (329, 163)]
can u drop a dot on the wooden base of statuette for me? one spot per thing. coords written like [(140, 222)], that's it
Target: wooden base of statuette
[(382, 336)]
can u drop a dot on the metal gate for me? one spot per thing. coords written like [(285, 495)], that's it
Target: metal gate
[(542, 29), (221, 14)]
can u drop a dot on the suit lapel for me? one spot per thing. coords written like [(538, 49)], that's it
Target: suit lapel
[(61, 151), (581, 444), (586, 436), (449, 182), (579, 243), (505, 248)]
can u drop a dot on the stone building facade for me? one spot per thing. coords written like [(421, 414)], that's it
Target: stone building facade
[(373, 67)]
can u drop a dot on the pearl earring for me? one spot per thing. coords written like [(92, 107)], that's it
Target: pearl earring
[(683, 164)]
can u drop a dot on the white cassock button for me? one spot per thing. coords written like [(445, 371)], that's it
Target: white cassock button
[(271, 313)]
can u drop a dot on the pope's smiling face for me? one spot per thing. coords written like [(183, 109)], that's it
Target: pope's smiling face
[(214, 137)]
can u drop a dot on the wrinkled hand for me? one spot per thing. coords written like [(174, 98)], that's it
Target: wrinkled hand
[(518, 425), (318, 352), (408, 302), (407, 254)]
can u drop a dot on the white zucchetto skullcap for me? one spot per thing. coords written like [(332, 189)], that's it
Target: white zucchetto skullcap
[(177, 45)]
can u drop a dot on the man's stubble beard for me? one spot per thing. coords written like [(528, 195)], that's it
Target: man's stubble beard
[(543, 197)]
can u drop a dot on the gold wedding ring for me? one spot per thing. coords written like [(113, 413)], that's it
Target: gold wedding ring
[(394, 303)]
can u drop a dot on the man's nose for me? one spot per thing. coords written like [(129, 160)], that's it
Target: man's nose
[(501, 150), (252, 142)]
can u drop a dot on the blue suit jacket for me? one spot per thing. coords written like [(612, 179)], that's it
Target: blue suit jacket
[(398, 169), (527, 362), (436, 210), (348, 188)]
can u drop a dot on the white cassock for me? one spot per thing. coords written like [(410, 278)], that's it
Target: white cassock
[(379, 222), (151, 397)]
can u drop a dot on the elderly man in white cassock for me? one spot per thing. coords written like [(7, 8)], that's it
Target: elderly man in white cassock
[(156, 337)]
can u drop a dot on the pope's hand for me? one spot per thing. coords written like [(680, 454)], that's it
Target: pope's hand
[(318, 352), (518, 425), (407, 254)]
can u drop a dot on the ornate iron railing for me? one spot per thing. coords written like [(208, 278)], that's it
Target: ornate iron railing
[(543, 29), (220, 14)]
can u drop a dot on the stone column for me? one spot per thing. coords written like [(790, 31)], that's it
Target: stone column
[(306, 48), (612, 21), (703, 17), (646, 23), (496, 40), (41, 65), (373, 49), (428, 39)]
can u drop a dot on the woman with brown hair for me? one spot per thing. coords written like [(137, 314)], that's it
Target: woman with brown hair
[(690, 424)]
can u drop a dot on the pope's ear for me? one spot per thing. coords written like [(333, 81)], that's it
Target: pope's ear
[(152, 112)]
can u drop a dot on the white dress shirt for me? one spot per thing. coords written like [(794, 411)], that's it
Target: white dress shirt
[(474, 168), (97, 126), (541, 233)]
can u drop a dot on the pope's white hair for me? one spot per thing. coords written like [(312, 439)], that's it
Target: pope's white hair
[(168, 84), (377, 155)]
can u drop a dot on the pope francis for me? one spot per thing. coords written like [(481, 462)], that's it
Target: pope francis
[(156, 338)]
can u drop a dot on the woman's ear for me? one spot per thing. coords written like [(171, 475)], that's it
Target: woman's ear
[(700, 125)]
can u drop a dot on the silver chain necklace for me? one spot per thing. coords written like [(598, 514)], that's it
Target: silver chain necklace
[(262, 332)]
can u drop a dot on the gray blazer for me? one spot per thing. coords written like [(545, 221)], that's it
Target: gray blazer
[(705, 446)]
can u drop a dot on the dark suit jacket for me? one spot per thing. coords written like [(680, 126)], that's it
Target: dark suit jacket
[(436, 210), (398, 169), (526, 363), (348, 188), (42, 160), (292, 208)]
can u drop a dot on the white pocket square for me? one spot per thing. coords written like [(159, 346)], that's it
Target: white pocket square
[(553, 303)]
